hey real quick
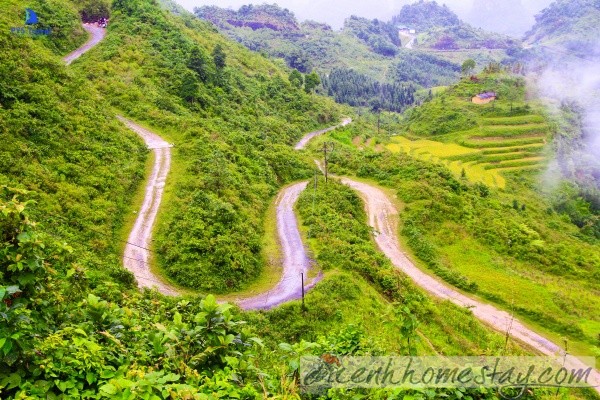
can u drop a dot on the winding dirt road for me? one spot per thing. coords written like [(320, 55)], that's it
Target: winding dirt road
[(295, 259), (96, 35), (383, 217), (136, 257), (304, 141)]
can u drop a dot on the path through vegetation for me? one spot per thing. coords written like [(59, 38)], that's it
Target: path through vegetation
[(136, 257), (383, 217), (295, 259), (96, 35), (304, 141)]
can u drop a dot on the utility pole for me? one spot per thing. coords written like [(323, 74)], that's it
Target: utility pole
[(327, 147), (303, 307)]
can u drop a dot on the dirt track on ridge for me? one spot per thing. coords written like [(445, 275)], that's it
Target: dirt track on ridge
[(96, 35), (136, 257)]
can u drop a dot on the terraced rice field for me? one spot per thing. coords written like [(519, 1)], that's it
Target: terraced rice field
[(498, 145)]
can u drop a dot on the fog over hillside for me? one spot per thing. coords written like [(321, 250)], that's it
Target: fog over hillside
[(334, 12)]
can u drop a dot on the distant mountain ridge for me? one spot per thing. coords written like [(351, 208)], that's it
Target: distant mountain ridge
[(439, 28), (263, 16), (426, 14)]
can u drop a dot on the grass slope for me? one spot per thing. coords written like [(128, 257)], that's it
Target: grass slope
[(507, 246)]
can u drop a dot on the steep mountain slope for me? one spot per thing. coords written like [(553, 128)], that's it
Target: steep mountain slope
[(370, 53), (564, 49), (438, 28), (59, 141), (230, 113), (476, 213)]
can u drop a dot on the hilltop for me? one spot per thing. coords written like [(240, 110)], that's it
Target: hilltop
[(254, 17), (438, 28), (426, 14)]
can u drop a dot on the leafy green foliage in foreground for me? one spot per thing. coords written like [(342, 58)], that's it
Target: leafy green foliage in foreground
[(57, 341)]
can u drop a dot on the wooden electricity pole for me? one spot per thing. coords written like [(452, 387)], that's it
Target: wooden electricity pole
[(303, 306), (327, 147)]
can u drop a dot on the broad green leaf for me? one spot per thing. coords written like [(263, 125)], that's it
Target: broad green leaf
[(108, 389)]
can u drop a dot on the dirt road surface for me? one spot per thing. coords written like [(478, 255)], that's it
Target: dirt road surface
[(383, 217), (136, 257), (295, 259), (96, 35), (304, 141)]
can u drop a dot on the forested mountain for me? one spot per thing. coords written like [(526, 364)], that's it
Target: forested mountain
[(350, 87), (253, 17), (424, 15), (373, 48), (570, 25), (381, 37), (73, 322), (439, 28)]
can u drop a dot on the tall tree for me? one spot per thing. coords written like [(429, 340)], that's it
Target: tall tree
[(311, 81), (296, 79), (198, 62), (219, 57), (468, 66)]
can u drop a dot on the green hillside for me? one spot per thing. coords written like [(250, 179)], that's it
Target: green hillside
[(475, 214), (73, 322)]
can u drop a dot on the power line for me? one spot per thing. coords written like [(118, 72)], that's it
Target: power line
[(104, 234)]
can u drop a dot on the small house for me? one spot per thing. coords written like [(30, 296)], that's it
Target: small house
[(484, 98), (406, 30)]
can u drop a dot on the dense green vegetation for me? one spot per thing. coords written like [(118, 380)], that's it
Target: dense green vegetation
[(424, 15), (369, 48), (59, 141), (439, 28), (59, 340), (381, 37), (350, 87), (73, 324), (424, 69)]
